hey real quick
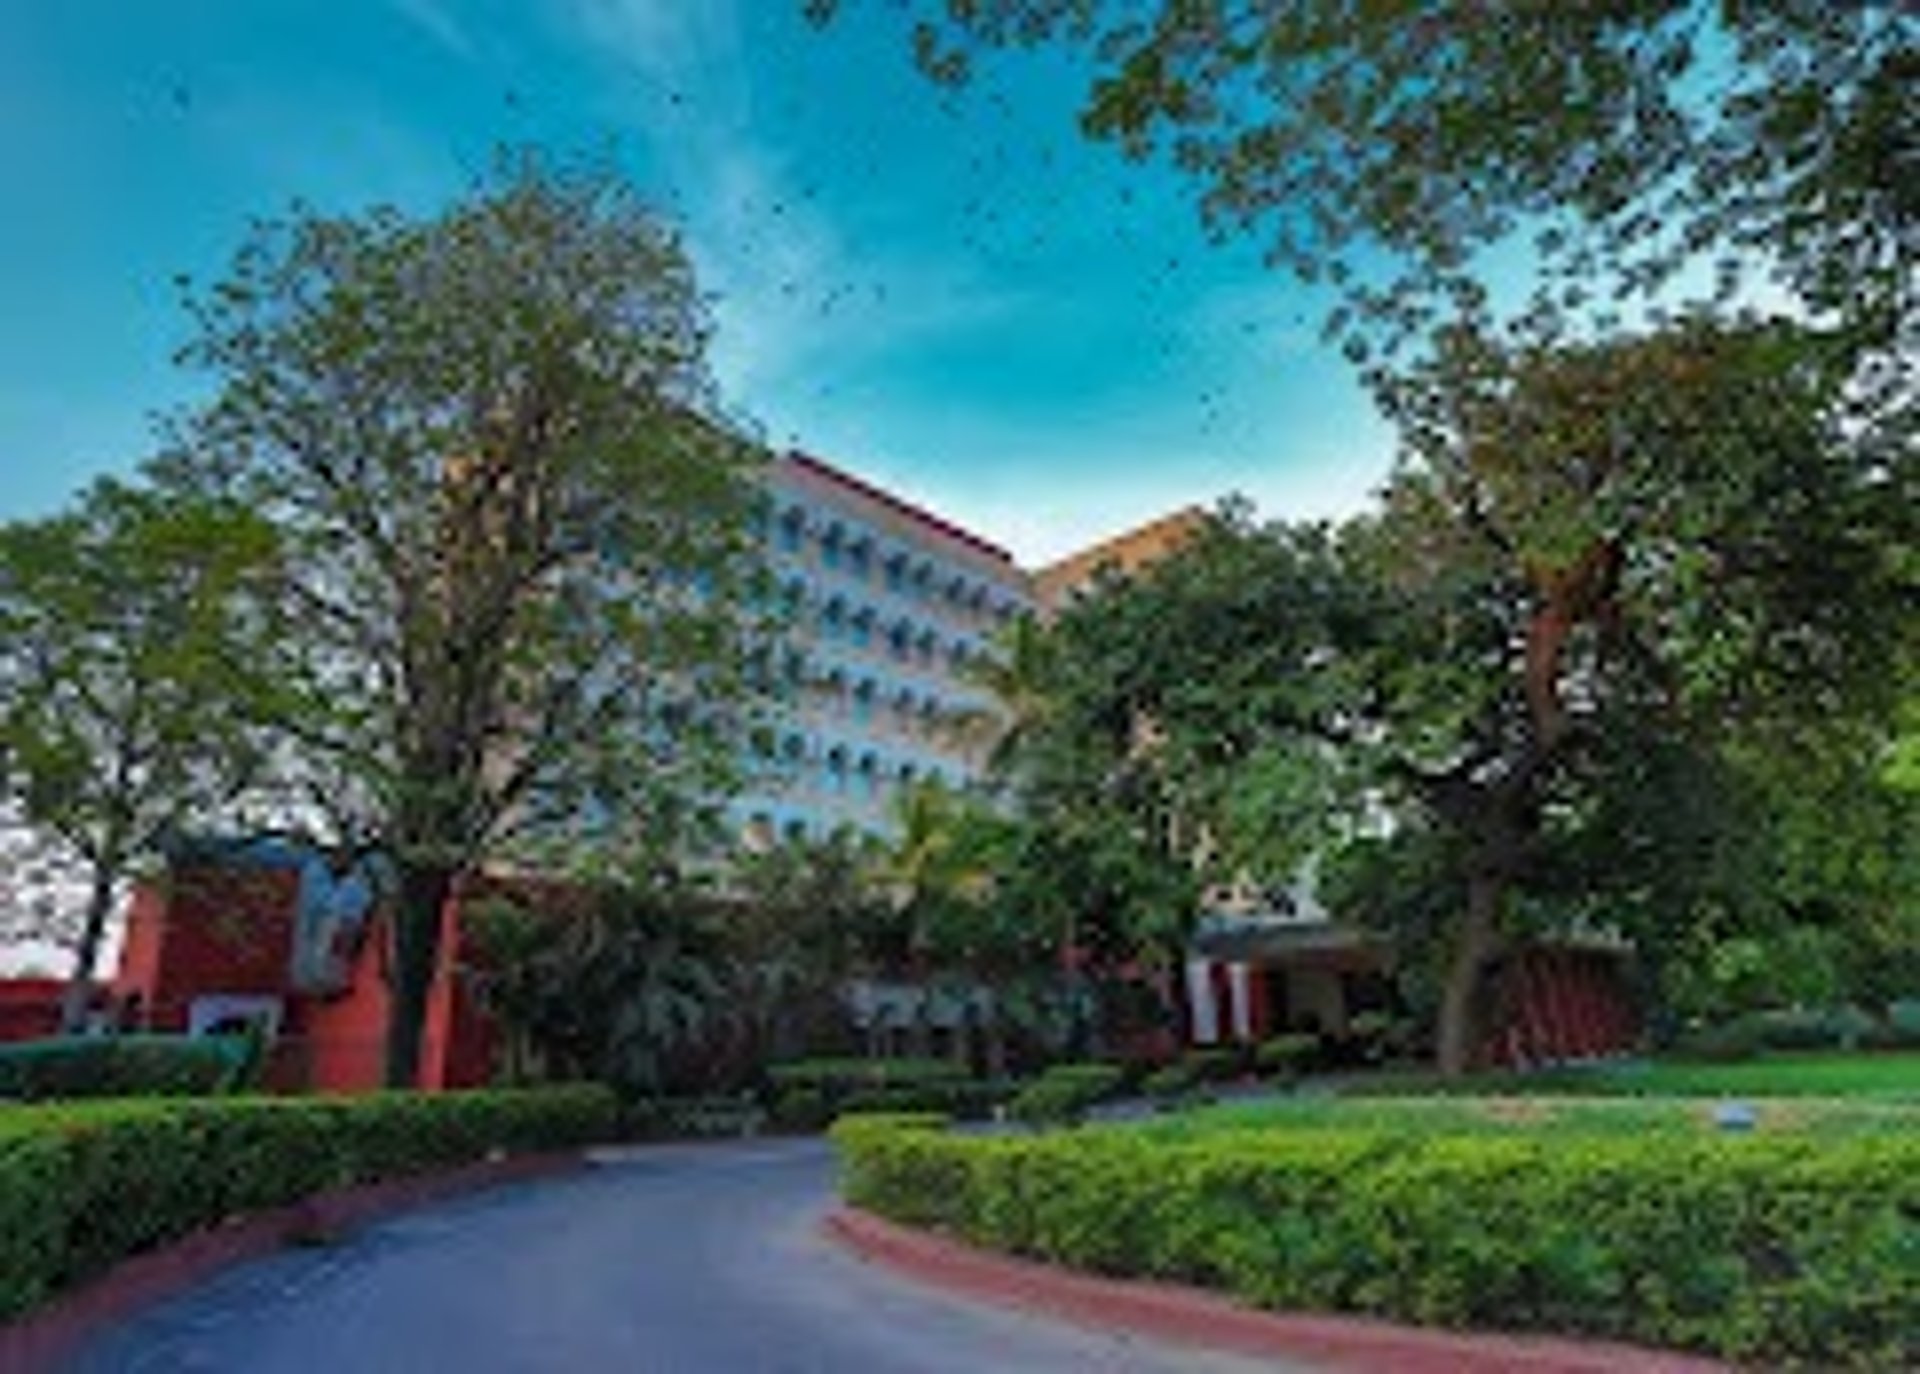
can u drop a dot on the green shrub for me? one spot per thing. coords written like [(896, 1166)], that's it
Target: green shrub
[(1170, 1083), (1899, 1029), (69, 1068), (1286, 1057), (1062, 1095), (1757, 1249), (1220, 1065), (807, 1094), (1728, 1043), (837, 1077), (801, 1108), (964, 1100), (84, 1185), (1794, 1030)]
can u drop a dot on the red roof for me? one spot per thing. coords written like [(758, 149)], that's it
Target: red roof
[(915, 513)]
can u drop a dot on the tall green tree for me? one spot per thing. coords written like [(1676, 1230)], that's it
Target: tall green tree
[(135, 640), (515, 524), (802, 917), (1386, 145), (1587, 554)]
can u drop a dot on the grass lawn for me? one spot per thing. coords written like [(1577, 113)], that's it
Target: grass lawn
[(1822, 1095), (1879, 1076), (1571, 1116)]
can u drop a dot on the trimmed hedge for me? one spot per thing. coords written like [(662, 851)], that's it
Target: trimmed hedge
[(1062, 1095), (86, 1066), (85, 1185), (1286, 1057), (1773, 1249), (807, 1094), (839, 1076)]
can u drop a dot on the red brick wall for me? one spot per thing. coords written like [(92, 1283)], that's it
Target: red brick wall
[(207, 930), (29, 1008)]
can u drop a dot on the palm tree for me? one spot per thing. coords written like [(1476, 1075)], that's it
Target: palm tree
[(1022, 677)]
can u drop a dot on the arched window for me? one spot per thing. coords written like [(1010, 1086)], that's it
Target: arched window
[(832, 541), (793, 528)]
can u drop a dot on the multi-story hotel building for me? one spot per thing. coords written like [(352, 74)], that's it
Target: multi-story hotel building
[(887, 606)]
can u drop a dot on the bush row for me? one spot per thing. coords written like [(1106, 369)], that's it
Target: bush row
[(1064, 1092), (72, 1067), (1753, 1249), (82, 1186), (1835, 1028), (839, 1076)]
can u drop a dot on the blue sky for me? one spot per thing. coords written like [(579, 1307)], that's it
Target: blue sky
[(954, 296)]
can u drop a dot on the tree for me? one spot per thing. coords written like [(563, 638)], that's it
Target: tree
[(801, 918), (517, 546), (1587, 553), (134, 640), (1384, 146), (607, 981)]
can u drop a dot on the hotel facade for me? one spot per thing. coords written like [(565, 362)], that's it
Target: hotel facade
[(887, 608)]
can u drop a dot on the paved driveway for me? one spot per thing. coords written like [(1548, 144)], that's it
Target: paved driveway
[(672, 1258)]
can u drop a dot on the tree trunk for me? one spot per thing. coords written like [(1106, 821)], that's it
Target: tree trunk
[(1459, 1028), (424, 889), (73, 1003)]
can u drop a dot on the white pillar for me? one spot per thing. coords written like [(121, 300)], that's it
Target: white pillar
[(1241, 1000), (1204, 1010)]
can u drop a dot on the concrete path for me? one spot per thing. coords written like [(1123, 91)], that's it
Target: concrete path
[(702, 1259)]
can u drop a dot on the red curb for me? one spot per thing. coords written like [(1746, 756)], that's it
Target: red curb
[(1192, 1316), (38, 1342)]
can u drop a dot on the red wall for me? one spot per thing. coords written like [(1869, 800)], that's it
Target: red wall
[(230, 930), (207, 930), (1563, 1004), (29, 1008)]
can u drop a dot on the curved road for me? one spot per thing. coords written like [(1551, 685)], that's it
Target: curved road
[(660, 1259)]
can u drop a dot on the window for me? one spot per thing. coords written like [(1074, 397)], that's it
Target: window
[(793, 526), (862, 625), (896, 571), (833, 617), (863, 700), (795, 831), (860, 557), (925, 646), (832, 541), (900, 639)]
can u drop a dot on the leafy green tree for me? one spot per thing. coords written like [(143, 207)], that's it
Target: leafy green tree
[(801, 918), (515, 526), (1385, 145), (1586, 548), (610, 981), (134, 649)]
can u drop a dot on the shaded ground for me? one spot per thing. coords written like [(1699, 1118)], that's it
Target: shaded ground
[(664, 1259)]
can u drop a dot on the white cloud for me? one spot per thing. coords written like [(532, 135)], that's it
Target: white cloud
[(799, 299), (438, 23)]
